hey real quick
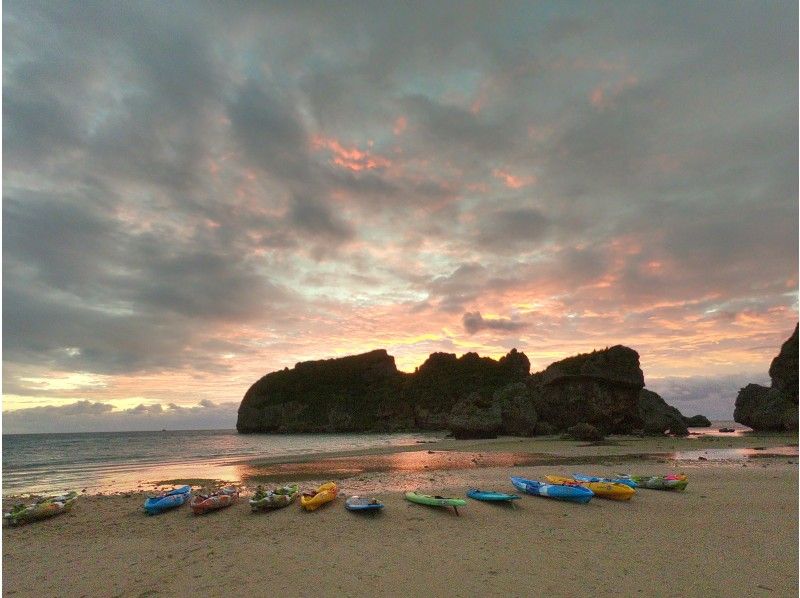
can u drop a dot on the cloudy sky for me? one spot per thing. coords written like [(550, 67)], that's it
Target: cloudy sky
[(196, 194)]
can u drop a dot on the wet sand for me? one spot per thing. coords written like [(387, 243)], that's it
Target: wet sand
[(734, 531)]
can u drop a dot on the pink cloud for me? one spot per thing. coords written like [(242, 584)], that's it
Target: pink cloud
[(602, 96), (400, 125), (511, 181), (350, 158)]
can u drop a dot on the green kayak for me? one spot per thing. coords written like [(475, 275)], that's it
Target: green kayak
[(42, 509), (435, 501)]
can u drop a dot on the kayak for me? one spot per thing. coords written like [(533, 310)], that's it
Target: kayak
[(224, 497), (274, 499), (571, 493), (311, 501), (610, 490), (41, 509), (362, 503), (165, 501), (490, 496), (590, 478), (435, 501), (672, 481)]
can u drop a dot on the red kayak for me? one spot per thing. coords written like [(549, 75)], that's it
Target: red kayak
[(224, 497)]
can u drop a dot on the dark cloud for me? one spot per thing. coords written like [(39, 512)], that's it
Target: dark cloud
[(271, 132), (475, 322), (513, 230)]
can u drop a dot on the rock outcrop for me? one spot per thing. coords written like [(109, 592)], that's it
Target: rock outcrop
[(773, 408), (599, 388), (475, 417), (697, 421), (332, 395), (658, 417), (473, 396)]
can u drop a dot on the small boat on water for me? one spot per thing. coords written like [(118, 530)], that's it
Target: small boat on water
[(311, 501), (671, 481), (591, 478), (362, 503), (41, 509), (435, 501), (205, 502), (282, 496), (165, 501), (577, 494), (611, 490)]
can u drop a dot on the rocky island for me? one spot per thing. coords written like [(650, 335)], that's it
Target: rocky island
[(472, 396), (773, 408)]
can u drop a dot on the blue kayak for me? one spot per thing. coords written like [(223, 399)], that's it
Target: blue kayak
[(571, 493), (362, 503), (490, 496), (590, 478), (165, 501)]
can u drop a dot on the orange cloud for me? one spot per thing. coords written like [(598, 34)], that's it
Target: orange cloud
[(400, 125), (511, 181), (350, 158)]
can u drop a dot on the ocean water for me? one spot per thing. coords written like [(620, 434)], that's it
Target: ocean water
[(40, 463), (121, 461)]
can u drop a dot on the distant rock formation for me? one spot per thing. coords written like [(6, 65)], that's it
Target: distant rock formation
[(599, 388), (473, 396), (773, 408), (658, 417)]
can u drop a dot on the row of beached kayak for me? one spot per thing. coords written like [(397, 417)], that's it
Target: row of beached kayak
[(579, 488)]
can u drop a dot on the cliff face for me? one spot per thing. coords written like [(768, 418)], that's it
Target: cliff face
[(345, 394), (773, 408), (599, 388), (473, 396)]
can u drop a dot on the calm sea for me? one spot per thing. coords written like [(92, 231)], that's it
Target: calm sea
[(120, 461), (39, 463)]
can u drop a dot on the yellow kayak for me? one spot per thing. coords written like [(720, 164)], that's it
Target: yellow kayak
[(313, 500), (610, 490)]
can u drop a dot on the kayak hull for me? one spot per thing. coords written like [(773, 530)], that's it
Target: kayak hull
[(576, 494), (609, 490), (324, 494), (618, 480), (674, 482), (225, 497), (489, 496), (42, 509), (166, 501), (362, 503), (434, 501), (277, 498)]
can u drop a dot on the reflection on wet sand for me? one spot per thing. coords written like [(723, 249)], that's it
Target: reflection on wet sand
[(410, 461)]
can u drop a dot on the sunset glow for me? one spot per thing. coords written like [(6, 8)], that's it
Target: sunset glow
[(181, 218)]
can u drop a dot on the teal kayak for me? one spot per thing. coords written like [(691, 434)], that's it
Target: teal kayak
[(490, 496)]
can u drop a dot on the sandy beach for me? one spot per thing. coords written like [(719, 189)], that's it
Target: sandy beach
[(734, 531)]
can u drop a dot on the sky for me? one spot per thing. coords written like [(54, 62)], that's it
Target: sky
[(196, 194)]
